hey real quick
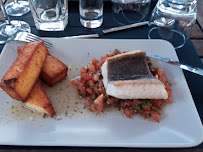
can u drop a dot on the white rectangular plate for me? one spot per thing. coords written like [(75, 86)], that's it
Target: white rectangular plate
[(73, 125)]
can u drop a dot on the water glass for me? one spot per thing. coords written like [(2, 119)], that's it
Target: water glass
[(129, 11), (91, 13), (50, 15), (173, 20)]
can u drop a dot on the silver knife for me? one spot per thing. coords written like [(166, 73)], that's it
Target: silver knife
[(125, 27), (176, 63), (83, 36)]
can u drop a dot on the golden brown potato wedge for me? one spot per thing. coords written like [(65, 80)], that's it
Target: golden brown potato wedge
[(22, 75), (19, 49), (53, 70), (39, 101)]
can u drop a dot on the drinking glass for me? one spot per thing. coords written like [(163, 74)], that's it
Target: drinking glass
[(50, 15), (173, 20), (9, 28), (129, 11), (17, 8), (91, 13)]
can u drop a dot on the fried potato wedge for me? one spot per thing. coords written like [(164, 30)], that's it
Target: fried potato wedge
[(39, 101), (53, 70), (22, 75)]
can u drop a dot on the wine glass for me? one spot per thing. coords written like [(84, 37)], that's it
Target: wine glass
[(17, 8), (9, 28), (173, 20), (129, 11)]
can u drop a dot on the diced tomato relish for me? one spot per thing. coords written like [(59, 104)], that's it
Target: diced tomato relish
[(90, 87)]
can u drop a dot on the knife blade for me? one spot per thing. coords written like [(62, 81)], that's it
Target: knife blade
[(195, 70)]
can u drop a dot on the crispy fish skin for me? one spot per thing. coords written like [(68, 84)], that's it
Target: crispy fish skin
[(24, 71), (39, 101), (53, 71), (125, 66)]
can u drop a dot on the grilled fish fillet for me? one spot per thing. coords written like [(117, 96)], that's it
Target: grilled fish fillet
[(127, 76)]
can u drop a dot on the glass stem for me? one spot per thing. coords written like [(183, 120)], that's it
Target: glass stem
[(6, 18)]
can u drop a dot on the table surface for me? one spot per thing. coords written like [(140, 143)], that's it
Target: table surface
[(196, 35), (187, 54)]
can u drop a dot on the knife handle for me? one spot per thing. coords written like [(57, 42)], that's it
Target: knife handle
[(125, 27), (83, 36)]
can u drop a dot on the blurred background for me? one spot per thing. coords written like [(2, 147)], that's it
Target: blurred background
[(196, 35)]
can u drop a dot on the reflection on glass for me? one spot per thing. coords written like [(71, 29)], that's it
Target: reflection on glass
[(17, 8), (129, 11), (9, 28)]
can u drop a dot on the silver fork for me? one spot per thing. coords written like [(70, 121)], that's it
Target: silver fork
[(28, 37)]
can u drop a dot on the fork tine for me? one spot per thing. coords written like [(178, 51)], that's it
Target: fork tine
[(36, 39), (35, 36), (39, 39), (29, 40), (28, 37), (33, 40)]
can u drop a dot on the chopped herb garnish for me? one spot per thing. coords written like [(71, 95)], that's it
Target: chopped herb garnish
[(118, 106), (149, 114), (105, 100), (146, 102), (138, 108), (80, 93)]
